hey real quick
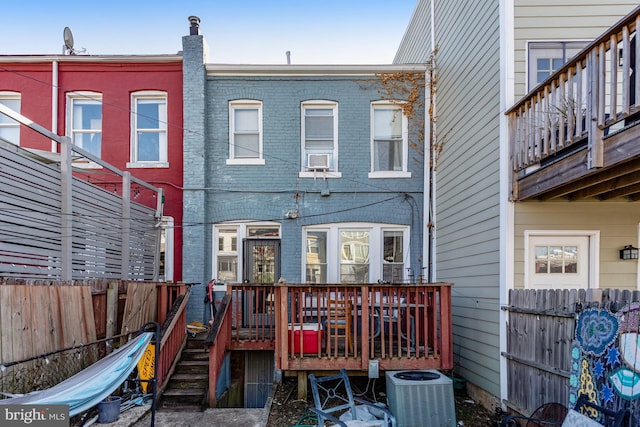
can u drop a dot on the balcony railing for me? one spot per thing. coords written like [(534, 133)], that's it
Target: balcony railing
[(590, 97), (399, 326)]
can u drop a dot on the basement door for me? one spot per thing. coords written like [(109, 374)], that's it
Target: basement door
[(261, 266)]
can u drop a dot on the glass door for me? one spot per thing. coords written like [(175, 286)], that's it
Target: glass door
[(261, 266)]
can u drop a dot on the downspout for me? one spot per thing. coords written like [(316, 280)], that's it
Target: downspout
[(429, 132), (54, 103), (507, 208)]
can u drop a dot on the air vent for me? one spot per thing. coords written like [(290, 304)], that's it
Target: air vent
[(421, 398)]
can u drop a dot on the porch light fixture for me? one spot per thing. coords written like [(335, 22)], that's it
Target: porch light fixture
[(629, 252)]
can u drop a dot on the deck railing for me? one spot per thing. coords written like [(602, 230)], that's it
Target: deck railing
[(580, 102), (217, 341), (399, 326), (173, 337)]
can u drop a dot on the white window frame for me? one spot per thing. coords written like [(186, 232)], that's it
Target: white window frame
[(536, 49), (404, 173), (72, 97), (238, 105), (163, 140), (376, 247), (332, 172), (12, 96), (241, 228), (593, 256)]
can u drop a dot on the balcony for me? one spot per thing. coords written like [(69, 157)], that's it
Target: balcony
[(575, 136)]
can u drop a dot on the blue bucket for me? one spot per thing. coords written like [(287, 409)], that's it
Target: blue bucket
[(109, 409)]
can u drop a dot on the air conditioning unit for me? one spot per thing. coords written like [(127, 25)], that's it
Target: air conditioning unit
[(318, 161), (421, 398)]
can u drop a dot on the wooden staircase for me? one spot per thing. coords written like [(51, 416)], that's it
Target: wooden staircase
[(187, 387)]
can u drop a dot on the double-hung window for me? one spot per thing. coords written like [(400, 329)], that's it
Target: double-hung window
[(245, 133), (389, 141), (9, 128), (319, 138), (84, 121), (149, 129)]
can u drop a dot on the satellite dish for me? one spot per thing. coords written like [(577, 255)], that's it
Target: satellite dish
[(68, 38)]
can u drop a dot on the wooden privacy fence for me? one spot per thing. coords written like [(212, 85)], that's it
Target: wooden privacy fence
[(543, 355), (38, 318)]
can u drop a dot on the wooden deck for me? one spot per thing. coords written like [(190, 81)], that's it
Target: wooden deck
[(575, 136), (400, 326)]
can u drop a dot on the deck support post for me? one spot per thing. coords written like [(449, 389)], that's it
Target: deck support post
[(302, 385)]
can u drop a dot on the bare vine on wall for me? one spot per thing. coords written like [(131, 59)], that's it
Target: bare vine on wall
[(407, 90)]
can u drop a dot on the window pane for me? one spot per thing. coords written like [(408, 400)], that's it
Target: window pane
[(542, 260), (543, 64), (151, 113), (148, 146), (90, 142), (87, 114), (317, 247), (14, 104), (11, 134), (387, 156), (387, 123), (246, 120), (555, 259), (570, 259), (317, 127), (247, 146), (354, 255), (227, 239), (228, 268), (263, 231), (393, 246)]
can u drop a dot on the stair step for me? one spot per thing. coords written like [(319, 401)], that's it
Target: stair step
[(184, 392), (183, 397), (190, 354), (192, 367), (188, 381)]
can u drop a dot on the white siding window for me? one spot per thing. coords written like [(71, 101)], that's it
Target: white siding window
[(245, 133), (544, 58), (319, 139), (355, 253), (84, 121), (389, 141), (9, 128), (561, 259), (149, 129)]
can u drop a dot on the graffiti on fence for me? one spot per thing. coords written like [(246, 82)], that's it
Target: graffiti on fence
[(605, 359)]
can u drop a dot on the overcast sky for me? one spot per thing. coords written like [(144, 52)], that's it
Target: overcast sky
[(237, 31)]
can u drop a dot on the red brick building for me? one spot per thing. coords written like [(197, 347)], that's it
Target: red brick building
[(126, 110)]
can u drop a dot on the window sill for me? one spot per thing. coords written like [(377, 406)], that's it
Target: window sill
[(148, 165), (389, 174), (81, 164), (246, 162), (319, 174)]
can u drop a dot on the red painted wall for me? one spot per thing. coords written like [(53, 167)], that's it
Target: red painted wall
[(115, 78)]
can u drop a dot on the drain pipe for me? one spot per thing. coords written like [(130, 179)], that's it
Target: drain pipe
[(54, 103)]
